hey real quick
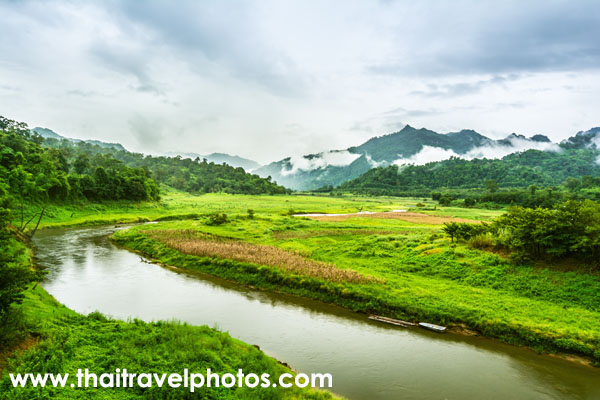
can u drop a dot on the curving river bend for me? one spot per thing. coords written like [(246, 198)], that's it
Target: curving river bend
[(368, 360)]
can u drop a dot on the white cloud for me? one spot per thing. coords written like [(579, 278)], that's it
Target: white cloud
[(517, 145), (430, 154), (426, 155), (321, 160)]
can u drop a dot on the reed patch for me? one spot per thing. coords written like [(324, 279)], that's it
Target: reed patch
[(196, 243)]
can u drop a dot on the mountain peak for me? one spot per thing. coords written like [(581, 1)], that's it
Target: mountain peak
[(540, 138)]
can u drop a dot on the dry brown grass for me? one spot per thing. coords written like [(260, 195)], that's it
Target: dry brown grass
[(416, 218), (198, 244)]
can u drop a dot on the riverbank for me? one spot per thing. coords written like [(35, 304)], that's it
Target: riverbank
[(53, 338), (421, 277)]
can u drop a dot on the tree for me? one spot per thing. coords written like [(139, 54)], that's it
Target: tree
[(81, 164), (451, 229), (572, 183), (14, 276), (445, 200), (491, 185)]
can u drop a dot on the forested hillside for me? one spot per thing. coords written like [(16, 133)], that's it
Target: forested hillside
[(29, 170), (518, 170), (194, 176)]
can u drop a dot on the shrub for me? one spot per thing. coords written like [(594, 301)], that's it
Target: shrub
[(482, 241), (216, 219), (445, 200)]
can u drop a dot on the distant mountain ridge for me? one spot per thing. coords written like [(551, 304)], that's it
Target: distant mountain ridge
[(409, 145), (50, 134), (217, 158), (220, 158)]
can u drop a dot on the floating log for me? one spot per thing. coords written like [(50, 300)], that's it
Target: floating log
[(397, 322), (432, 327)]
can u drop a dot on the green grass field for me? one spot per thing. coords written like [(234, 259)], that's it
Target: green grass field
[(413, 271), (178, 204)]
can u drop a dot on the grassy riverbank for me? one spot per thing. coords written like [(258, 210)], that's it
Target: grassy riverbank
[(410, 270), (47, 337)]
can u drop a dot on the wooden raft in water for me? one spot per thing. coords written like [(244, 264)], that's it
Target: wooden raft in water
[(392, 321)]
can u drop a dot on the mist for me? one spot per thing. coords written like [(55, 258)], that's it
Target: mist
[(492, 151)]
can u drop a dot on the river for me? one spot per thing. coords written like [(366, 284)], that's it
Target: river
[(368, 360)]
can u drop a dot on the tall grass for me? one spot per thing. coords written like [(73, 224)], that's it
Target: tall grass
[(191, 242)]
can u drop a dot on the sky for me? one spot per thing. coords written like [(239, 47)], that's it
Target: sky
[(271, 79)]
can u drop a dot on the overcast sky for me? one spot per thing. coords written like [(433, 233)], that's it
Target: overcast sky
[(268, 79)]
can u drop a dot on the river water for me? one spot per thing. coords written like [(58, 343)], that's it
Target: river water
[(368, 360)]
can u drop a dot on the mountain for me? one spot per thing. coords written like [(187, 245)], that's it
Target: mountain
[(409, 141), (220, 158), (217, 158), (407, 146), (47, 133), (575, 157), (531, 167), (50, 134), (581, 140)]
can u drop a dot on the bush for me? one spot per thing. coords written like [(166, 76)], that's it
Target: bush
[(482, 241), (445, 200), (15, 273), (216, 219), (570, 230)]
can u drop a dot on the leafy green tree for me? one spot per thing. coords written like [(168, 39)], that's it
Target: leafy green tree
[(445, 200), (81, 164), (491, 185), (572, 183), (469, 202), (451, 229)]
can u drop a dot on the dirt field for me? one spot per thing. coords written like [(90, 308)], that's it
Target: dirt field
[(416, 218)]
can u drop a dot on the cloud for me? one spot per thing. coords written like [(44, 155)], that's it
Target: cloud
[(463, 88), (147, 130), (373, 163), (89, 69), (504, 37), (426, 155), (214, 37), (321, 160), (517, 144), (492, 151)]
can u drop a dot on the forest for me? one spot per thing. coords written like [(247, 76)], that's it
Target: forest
[(192, 176), (518, 170)]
